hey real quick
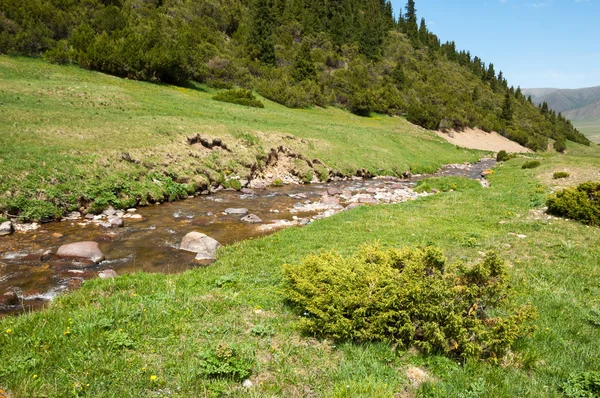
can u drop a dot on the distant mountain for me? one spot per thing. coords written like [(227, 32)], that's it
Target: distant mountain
[(577, 104)]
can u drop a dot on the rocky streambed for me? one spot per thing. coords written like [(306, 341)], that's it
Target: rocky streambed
[(40, 261)]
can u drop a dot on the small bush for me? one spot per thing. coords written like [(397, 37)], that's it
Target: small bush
[(410, 297), (277, 182), (531, 164), (579, 203), (560, 146), (582, 385), (503, 156), (240, 97), (226, 362), (445, 184), (560, 174)]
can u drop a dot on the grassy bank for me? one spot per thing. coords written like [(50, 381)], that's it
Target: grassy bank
[(70, 138), (154, 335)]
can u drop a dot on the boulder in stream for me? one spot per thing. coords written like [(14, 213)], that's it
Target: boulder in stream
[(251, 218), (236, 211), (6, 228), (85, 250), (107, 274), (203, 245)]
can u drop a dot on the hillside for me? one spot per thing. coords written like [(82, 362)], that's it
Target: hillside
[(78, 139), (351, 54), (576, 104), (581, 106)]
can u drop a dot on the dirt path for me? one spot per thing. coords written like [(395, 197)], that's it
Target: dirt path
[(479, 139)]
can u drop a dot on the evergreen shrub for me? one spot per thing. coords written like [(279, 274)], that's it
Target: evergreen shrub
[(412, 297), (581, 203), (240, 97), (502, 156), (531, 164), (560, 145), (560, 174)]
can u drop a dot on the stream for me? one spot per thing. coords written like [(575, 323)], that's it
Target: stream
[(149, 240)]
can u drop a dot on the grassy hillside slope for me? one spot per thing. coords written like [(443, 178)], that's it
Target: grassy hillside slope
[(72, 138), (589, 127), (151, 335)]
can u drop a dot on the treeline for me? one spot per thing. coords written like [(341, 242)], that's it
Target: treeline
[(348, 53)]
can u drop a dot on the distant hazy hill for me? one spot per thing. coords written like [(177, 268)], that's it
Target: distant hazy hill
[(578, 104)]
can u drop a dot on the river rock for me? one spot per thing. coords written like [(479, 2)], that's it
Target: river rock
[(236, 211), (12, 297), (329, 200), (86, 250), (115, 222), (333, 191), (353, 206), (204, 246), (107, 274), (251, 218), (136, 217), (109, 212), (247, 191), (6, 228), (370, 201), (258, 185), (47, 255)]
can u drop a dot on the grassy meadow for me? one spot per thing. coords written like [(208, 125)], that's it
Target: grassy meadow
[(590, 128), (202, 332), (71, 138)]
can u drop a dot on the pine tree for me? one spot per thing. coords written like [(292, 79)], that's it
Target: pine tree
[(412, 30), (507, 111), (423, 33), (260, 40), (304, 68)]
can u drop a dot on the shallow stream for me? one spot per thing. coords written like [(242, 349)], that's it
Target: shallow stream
[(151, 243)]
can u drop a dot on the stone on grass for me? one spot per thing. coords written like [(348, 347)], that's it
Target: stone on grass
[(203, 245), (85, 250)]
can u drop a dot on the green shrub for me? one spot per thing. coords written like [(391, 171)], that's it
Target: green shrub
[(277, 182), (531, 164), (579, 203), (560, 145), (582, 385), (226, 362), (502, 156), (240, 97), (445, 184), (560, 174), (410, 297)]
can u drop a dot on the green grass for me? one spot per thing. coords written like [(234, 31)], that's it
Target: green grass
[(445, 184), (70, 137), (590, 128), (121, 332)]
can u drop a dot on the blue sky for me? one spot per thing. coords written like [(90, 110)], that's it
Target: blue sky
[(535, 43)]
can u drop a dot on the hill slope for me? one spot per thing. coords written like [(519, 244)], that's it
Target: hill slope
[(581, 106), (348, 53), (568, 101), (74, 138)]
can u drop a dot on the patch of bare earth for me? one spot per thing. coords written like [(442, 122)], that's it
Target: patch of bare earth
[(577, 175), (416, 376), (479, 139)]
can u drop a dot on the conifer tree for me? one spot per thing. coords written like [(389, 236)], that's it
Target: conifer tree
[(507, 111), (260, 40), (412, 30), (303, 68), (423, 33)]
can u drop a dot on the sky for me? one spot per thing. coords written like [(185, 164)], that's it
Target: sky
[(535, 43)]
